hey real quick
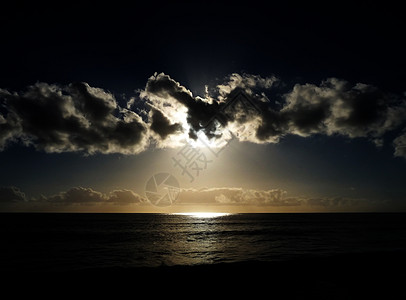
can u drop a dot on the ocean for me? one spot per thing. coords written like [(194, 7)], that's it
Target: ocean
[(73, 242)]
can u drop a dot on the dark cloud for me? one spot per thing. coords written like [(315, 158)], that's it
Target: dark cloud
[(336, 107), (97, 104), (9, 125), (270, 198), (11, 195), (161, 124), (81, 195), (162, 90), (247, 82), (238, 196), (400, 145), (205, 196), (333, 108), (9, 129), (170, 96), (76, 117), (125, 197), (271, 126)]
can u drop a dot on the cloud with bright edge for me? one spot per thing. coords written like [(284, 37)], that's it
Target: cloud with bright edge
[(268, 198), (83, 196), (80, 118), (224, 196), (11, 194)]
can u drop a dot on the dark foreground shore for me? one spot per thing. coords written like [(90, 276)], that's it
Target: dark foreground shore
[(352, 276)]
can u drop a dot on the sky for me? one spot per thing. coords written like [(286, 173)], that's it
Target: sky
[(174, 106)]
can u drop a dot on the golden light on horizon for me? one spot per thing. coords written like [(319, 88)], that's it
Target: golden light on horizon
[(203, 214)]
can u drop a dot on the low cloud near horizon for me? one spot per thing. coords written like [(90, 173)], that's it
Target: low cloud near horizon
[(262, 198), (80, 118), (189, 197), (75, 195)]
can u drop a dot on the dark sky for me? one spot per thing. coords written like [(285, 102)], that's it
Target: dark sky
[(117, 47)]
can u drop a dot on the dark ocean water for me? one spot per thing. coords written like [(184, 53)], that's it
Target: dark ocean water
[(69, 242)]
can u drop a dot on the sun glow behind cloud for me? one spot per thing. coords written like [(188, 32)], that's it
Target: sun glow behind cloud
[(166, 116)]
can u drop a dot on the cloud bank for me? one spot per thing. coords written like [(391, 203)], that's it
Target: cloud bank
[(263, 198), (11, 194), (81, 118), (70, 118), (88, 196), (209, 197)]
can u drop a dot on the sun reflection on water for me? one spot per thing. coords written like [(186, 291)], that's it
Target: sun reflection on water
[(205, 215)]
